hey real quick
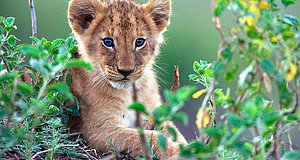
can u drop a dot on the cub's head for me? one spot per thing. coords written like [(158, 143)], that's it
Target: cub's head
[(119, 37)]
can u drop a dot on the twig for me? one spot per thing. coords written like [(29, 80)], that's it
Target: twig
[(33, 20), (41, 152), (176, 83), (138, 125), (206, 98), (4, 60), (218, 26)]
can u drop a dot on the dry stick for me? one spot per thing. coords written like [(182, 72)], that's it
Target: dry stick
[(138, 125), (176, 83), (33, 20), (67, 145)]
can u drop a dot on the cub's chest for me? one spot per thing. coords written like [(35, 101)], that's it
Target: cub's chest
[(128, 118)]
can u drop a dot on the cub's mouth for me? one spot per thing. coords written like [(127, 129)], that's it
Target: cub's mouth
[(121, 84), (121, 79)]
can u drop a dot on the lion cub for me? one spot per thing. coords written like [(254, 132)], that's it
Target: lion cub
[(121, 40)]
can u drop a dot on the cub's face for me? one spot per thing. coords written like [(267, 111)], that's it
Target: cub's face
[(119, 37)]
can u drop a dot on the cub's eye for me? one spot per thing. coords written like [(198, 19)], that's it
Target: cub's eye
[(140, 42), (108, 42)]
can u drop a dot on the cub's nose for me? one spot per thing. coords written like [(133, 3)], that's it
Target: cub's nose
[(125, 72)]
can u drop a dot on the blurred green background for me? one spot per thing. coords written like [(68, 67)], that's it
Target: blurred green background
[(191, 36)]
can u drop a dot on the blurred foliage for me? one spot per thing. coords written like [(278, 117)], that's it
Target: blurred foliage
[(254, 125), (33, 95)]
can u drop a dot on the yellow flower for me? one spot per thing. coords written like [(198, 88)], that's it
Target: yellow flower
[(205, 119), (244, 3), (263, 5), (255, 10), (274, 39), (291, 72), (250, 21), (199, 93), (252, 2)]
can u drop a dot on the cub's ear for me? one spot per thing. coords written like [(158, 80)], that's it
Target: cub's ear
[(160, 11), (82, 12)]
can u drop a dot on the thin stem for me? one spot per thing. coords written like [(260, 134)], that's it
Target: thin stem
[(206, 98), (138, 126), (43, 88), (33, 20), (4, 60)]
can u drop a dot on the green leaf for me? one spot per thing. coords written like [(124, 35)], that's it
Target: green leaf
[(184, 93), (196, 66), (54, 110), (79, 63), (162, 141), (73, 109), (291, 20), (68, 80), (39, 66), (5, 132), (25, 87), (243, 77), (291, 155), (7, 76), (292, 117), (9, 21), (221, 6), (218, 66), (182, 117), (235, 120), (1, 30), (139, 107), (213, 132), (44, 41), (172, 131), (1, 19), (57, 42), (55, 122), (287, 2), (65, 117), (73, 50), (267, 66), (35, 40), (258, 101), (12, 40), (70, 42), (270, 118), (61, 88), (30, 51)]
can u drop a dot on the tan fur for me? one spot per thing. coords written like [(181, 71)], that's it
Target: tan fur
[(102, 94)]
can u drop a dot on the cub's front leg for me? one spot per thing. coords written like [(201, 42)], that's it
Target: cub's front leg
[(112, 136)]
